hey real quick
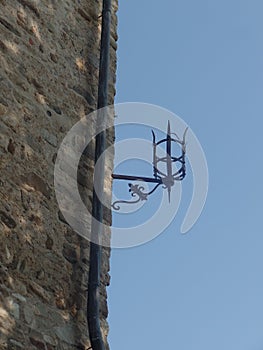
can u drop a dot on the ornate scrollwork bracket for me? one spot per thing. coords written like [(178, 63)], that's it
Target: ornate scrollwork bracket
[(136, 190)]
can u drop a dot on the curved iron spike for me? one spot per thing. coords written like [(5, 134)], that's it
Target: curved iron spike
[(153, 134), (117, 207), (173, 133), (185, 134), (155, 187), (184, 144), (168, 151), (154, 156)]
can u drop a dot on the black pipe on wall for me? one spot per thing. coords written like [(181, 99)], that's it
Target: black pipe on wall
[(93, 303)]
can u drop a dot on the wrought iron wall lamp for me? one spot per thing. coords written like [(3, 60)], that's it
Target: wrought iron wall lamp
[(167, 179)]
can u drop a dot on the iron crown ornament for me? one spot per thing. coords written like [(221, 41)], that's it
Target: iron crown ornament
[(166, 179)]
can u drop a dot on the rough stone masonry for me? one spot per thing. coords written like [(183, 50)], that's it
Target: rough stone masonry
[(49, 79)]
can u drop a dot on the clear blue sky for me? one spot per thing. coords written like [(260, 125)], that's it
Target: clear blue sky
[(203, 60)]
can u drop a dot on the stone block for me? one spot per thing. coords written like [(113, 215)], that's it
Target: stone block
[(29, 313), (34, 181), (13, 308), (19, 297), (66, 334)]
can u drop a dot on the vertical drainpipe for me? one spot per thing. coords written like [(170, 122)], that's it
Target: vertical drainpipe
[(93, 303)]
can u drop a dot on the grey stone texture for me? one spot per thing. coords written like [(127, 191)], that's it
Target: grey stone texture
[(49, 52)]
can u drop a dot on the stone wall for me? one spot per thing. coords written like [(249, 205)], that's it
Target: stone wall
[(49, 74)]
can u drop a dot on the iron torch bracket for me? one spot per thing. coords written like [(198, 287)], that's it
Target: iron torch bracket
[(166, 179)]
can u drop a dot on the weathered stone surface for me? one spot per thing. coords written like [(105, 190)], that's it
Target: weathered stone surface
[(9, 26), (31, 5), (34, 181), (66, 333), (49, 70), (7, 219), (11, 147), (50, 340), (14, 309), (39, 344), (29, 314), (69, 252), (3, 109), (49, 243), (51, 139), (13, 344), (39, 291), (19, 297)]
